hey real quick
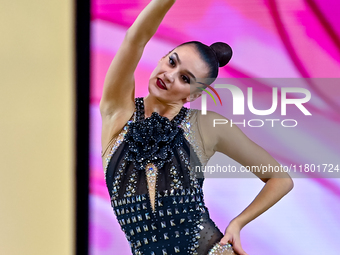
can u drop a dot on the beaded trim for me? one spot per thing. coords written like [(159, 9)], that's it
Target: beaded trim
[(115, 186), (221, 249), (176, 182), (151, 140), (191, 136), (181, 196), (135, 220), (118, 140), (141, 114), (130, 188), (151, 172), (194, 183)]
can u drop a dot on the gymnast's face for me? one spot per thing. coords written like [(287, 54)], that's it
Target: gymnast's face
[(176, 75)]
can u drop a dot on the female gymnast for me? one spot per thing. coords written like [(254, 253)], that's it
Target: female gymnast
[(151, 144)]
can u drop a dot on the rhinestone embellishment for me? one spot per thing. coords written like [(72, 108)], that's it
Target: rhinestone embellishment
[(151, 218), (151, 175)]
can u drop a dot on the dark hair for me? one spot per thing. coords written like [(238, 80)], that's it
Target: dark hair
[(216, 55)]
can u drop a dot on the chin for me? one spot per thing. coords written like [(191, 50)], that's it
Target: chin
[(154, 90), (149, 89)]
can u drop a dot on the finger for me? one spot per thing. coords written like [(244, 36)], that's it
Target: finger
[(238, 249), (224, 240)]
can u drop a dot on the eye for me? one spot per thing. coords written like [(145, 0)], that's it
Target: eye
[(185, 79), (171, 61)]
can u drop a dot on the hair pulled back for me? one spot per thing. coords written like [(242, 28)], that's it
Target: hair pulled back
[(216, 55)]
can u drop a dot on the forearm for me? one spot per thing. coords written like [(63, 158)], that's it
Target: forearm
[(271, 193), (118, 91), (148, 21)]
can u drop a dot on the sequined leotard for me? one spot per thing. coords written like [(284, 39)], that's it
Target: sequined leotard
[(155, 193)]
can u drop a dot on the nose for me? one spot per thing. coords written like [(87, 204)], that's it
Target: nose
[(170, 76)]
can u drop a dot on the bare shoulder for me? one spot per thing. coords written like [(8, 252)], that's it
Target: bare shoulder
[(212, 120), (209, 130), (211, 115), (217, 129)]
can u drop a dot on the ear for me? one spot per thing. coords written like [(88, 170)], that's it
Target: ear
[(193, 96)]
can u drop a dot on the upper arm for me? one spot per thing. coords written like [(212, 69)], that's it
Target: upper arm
[(117, 102), (119, 85), (231, 141)]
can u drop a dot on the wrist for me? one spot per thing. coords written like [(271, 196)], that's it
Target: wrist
[(237, 224)]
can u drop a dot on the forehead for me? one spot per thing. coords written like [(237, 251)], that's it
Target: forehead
[(191, 60)]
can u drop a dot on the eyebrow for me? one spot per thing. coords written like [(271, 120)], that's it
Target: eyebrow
[(179, 61)]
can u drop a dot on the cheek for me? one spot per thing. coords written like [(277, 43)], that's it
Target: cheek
[(182, 90), (156, 70)]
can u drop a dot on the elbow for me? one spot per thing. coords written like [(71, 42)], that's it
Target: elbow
[(129, 35), (137, 38), (291, 184), (288, 184), (284, 184)]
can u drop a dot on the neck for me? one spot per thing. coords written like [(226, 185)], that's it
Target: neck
[(165, 109)]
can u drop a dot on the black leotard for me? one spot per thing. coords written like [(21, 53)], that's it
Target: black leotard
[(179, 222)]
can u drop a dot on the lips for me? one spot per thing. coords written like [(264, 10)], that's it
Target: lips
[(160, 83)]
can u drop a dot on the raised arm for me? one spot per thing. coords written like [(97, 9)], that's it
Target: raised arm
[(117, 102), (232, 142), (118, 91)]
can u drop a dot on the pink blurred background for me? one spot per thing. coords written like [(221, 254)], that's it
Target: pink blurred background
[(270, 39)]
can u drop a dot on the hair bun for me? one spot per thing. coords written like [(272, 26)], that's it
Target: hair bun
[(223, 52)]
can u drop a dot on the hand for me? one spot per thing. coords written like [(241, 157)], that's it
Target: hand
[(232, 236)]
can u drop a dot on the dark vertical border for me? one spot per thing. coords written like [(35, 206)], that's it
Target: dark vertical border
[(82, 24)]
